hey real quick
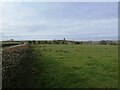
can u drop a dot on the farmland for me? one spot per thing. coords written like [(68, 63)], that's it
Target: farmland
[(74, 66), (41, 65)]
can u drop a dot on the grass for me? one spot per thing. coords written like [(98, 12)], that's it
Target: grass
[(9, 42), (75, 66)]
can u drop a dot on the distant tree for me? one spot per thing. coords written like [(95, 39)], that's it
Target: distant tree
[(77, 42), (30, 42), (113, 43), (57, 42), (103, 42), (54, 41), (39, 42), (49, 42), (45, 42), (11, 40), (60, 41), (34, 42)]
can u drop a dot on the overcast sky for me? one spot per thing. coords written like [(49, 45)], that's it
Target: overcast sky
[(78, 21)]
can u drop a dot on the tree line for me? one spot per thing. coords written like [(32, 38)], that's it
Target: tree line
[(102, 42)]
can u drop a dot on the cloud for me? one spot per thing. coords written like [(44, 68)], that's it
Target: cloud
[(65, 27), (59, 19)]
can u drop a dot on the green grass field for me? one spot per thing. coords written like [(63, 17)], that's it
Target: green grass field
[(75, 66)]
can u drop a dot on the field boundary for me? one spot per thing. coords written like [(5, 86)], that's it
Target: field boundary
[(14, 65)]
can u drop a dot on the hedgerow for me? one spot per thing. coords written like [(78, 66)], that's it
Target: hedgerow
[(15, 66)]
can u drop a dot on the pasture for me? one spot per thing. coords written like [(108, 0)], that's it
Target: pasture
[(75, 66)]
